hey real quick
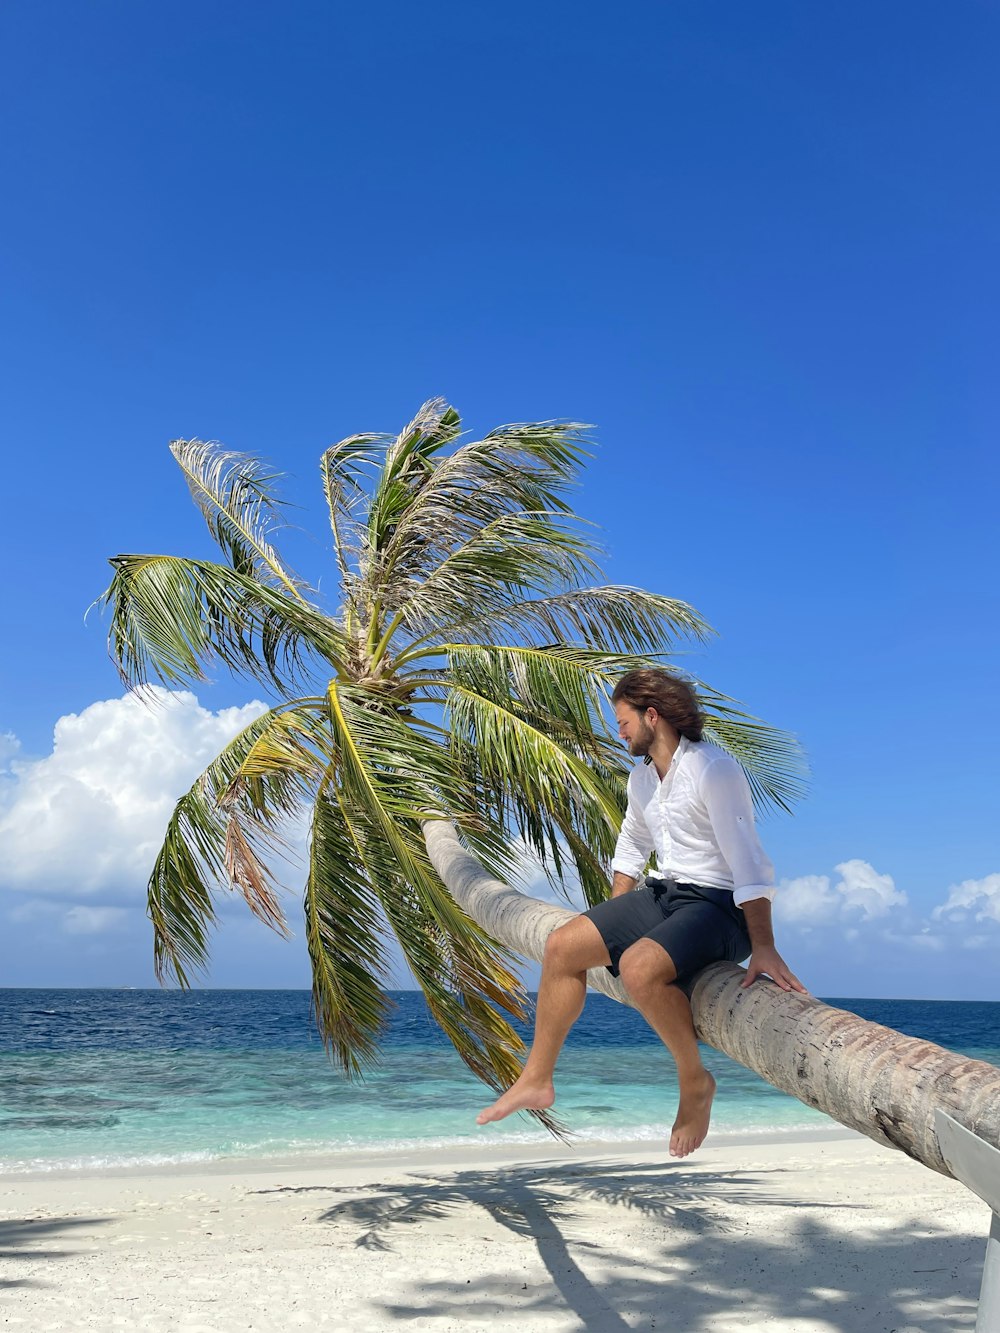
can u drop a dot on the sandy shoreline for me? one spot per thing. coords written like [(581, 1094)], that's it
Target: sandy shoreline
[(805, 1233)]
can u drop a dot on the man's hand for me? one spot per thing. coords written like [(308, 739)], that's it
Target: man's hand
[(766, 961)]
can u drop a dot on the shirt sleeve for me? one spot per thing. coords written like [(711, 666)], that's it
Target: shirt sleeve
[(726, 793), (635, 842)]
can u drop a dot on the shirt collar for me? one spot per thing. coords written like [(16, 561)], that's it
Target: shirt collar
[(682, 746)]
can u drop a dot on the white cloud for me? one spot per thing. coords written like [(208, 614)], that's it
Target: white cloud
[(865, 909), (87, 820), (975, 898), (813, 900), (807, 901), (864, 890), (9, 747)]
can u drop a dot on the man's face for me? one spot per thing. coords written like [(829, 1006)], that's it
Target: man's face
[(635, 728)]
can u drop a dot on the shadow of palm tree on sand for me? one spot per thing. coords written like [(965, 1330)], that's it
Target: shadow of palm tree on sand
[(27, 1238), (704, 1251)]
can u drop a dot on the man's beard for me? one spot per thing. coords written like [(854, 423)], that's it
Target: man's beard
[(639, 747)]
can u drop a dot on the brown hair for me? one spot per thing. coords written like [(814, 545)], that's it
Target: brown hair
[(673, 698)]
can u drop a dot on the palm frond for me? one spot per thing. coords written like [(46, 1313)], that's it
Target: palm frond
[(548, 779), (171, 617), (465, 977), (548, 685), (520, 468), (557, 447), (530, 725), (294, 748), (519, 750), (499, 565), (773, 760), (218, 835), (610, 619), (462, 972), (563, 687), (435, 507), (343, 468), (235, 494), (345, 934), (407, 468)]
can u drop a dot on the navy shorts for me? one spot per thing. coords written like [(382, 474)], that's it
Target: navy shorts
[(695, 925)]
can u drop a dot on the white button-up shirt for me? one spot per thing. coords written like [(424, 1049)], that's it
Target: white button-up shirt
[(699, 822)]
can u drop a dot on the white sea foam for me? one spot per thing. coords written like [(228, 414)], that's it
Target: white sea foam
[(13, 1166), (271, 1149)]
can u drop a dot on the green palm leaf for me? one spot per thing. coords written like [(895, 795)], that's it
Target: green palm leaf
[(509, 558), (220, 833), (408, 467), (343, 468), (235, 495), (556, 784), (345, 933), (396, 775), (630, 618), (773, 761), (421, 511), (172, 617)]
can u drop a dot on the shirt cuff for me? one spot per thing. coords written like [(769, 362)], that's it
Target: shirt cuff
[(748, 892), (633, 868)]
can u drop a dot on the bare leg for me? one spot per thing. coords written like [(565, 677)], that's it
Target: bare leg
[(648, 971), (569, 952)]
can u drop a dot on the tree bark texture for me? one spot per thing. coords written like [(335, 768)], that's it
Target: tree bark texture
[(866, 1076)]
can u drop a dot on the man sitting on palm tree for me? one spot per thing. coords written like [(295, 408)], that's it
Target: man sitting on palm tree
[(688, 802)]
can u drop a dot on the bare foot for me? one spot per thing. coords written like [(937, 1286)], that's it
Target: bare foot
[(693, 1115), (520, 1096)]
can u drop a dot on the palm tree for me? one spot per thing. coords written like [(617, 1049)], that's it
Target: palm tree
[(463, 678)]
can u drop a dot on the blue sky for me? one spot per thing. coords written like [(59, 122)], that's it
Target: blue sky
[(754, 244)]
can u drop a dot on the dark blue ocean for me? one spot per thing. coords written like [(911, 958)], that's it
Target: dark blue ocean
[(114, 1078)]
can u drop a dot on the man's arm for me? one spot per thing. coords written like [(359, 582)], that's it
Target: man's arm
[(726, 793), (622, 883), (635, 842), (765, 959)]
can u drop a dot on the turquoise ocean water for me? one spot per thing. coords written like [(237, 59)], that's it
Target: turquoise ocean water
[(91, 1079)]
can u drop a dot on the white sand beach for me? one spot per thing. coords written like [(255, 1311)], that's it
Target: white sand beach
[(799, 1234)]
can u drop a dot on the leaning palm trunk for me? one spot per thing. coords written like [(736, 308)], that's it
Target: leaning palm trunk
[(868, 1077)]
